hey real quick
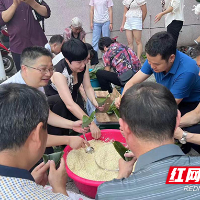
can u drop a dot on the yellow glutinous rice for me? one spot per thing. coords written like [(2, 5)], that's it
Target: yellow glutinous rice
[(84, 165)]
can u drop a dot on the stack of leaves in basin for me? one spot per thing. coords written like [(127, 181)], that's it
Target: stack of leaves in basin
[(113, 109)]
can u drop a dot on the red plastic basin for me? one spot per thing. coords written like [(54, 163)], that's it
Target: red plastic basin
[(89, 187)]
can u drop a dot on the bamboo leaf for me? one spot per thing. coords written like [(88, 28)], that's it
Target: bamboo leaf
[(56, 157), (101, 100), (114, 109), (120, 148), (87, 120)]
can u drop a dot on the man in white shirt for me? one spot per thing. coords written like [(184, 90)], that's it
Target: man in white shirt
[(55, 43), (36, 71)]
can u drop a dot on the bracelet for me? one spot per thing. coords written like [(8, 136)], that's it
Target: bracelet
[(111, 23)]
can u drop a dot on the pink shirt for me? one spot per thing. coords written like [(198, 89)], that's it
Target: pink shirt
[(68, 34), (121, 58)]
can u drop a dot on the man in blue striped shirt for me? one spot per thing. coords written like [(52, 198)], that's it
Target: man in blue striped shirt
[(149, 116)]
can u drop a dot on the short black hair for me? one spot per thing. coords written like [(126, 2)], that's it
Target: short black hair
[(90, 49), (22, 109), (74, 50), (31, 54), (161, 43), (105, 42), (56, 39), (150, 110)]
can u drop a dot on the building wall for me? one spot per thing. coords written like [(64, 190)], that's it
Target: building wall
[(62, 11)]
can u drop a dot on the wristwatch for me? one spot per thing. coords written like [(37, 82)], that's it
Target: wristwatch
[(183, 139)]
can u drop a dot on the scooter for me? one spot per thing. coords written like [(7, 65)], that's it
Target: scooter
[(7, 60), (4, 48)]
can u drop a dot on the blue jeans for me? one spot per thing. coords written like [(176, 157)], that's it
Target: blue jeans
[(97, 29)]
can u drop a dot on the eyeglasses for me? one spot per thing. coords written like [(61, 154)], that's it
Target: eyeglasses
[(43, 71)]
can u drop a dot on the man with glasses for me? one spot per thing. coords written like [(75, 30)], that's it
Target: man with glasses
[(36, 71)]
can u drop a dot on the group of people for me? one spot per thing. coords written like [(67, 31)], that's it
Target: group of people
[(42, 101), (29, 31)]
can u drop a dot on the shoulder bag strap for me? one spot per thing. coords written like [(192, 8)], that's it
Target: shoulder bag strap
[(130, 4)]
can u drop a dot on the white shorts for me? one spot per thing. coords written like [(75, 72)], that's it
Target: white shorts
[(133, 23)]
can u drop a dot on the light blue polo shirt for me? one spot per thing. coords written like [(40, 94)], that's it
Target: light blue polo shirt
[(182, 80)]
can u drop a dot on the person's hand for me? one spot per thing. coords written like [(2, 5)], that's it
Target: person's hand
[(100, 108), (111, 27), (95, 131), (76, 142), (129, 154), (178, 133), (16, 3), (125, 168), (117, 102), (77, 126), (91, 26), (121, 28), (158, 17), (40, 173), (58, 178)]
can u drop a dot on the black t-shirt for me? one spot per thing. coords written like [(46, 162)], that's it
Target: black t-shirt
[(62, 67)]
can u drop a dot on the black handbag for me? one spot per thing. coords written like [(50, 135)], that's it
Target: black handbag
[(130, 4), (126, 76)]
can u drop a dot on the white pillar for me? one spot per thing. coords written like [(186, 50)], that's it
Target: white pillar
[(2, 70)]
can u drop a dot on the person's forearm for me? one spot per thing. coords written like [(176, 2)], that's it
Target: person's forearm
[(42, 10), (170, 9), (60, 190), (193, 138), (189, 119), (139, 77), (111, 15), (124, 16), (90, 94), (91, 15), (8, 14), (76, 110), (57, 121), (144, 12), (126, 87), (54, 140), (120, 176)]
